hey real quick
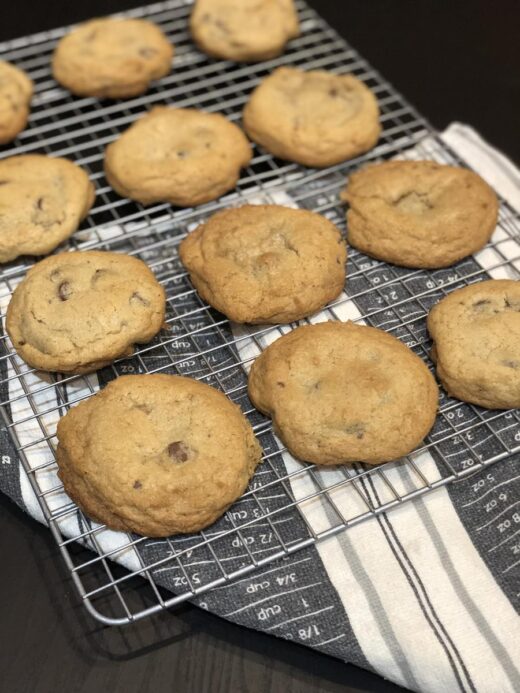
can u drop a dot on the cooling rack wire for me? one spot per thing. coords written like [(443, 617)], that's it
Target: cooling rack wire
[(274, 518)]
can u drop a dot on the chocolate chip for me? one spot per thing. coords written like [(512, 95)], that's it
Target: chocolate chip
[(4, 182), (144, 408), (64, 291), (510, 304), (97, 275), (182, 154), (137, 298), (41, 216), (137, 484), (333, 92), (147, 52), (357, 429), (280, 384), (178, 451), (222, 26)]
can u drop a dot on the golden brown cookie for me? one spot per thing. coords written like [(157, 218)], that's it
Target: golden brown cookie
[(77, 312), (266, 263), (156, 454), (177, 155), (244, 30), (315, 118), (339, 392), (112, 58), (16, 90), (419, 213), (476, 343), (42, 202)]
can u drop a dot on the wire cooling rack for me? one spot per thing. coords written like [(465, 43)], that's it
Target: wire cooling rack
[(273, 518)]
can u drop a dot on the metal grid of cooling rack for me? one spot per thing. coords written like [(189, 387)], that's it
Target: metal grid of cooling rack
[(271, 520)]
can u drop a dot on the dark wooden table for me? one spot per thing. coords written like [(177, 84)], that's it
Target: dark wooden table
[(455, 60)]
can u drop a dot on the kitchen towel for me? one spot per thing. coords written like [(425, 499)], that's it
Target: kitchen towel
[(426, 595)]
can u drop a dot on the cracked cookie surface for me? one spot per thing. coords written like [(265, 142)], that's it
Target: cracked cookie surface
[(266, 263), (156, 454), (419, 213), (177, 155), (16, 90), (77, 312), (244, 30), (42, 202), (112, 58), (315, 118), (476, 335), (339, 392)]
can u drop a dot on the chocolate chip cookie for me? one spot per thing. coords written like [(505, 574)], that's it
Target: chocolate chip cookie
[(339, 392), (315, 118), (244, 30), (419, 213), (42, 202), (156, 454), (177, 155), (16, 90), (476, 335), (112, 58), (77, 312), (266, 263)]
